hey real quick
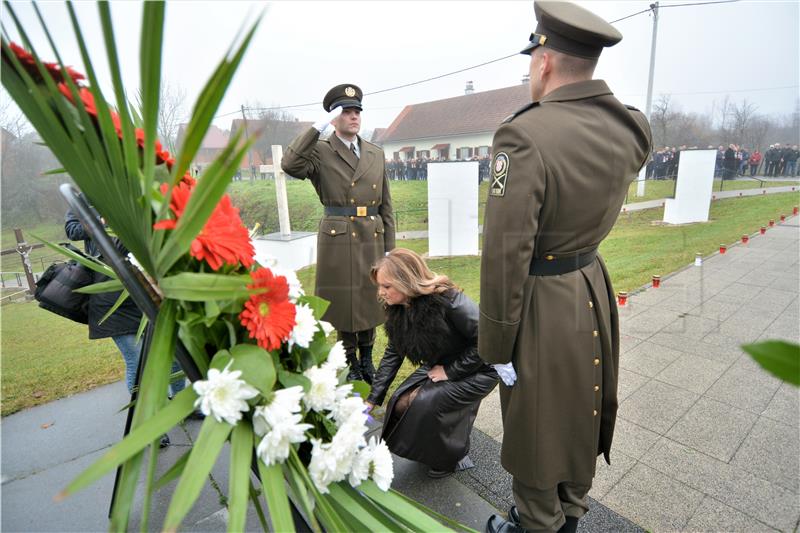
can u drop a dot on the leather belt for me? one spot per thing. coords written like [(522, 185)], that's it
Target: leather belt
[(359, 211), (554, 266)]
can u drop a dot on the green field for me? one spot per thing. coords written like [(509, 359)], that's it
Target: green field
[(36, 370), (655, 189)]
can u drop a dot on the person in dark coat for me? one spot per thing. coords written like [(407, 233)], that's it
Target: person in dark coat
[(435, 325), (123, 324), (730, 162)]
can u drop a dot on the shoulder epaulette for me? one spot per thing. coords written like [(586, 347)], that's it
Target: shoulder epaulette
[(630, 107), (520, 111)]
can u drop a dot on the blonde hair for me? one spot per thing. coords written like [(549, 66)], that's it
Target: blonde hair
[(409, 274)]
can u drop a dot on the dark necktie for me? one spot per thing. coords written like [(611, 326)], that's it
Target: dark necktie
[(353, 149)]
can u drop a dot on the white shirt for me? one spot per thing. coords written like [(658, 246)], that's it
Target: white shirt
[(349, 144)]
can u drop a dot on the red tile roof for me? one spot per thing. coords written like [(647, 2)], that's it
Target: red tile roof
[(470, 113)]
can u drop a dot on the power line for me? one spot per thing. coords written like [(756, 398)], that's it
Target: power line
[(440, 76)]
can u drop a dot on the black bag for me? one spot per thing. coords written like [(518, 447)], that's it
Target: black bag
[(54, 290)]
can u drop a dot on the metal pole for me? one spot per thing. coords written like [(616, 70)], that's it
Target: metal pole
[(649, 103)]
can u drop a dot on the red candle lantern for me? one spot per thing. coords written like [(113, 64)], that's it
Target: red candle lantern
[(783, 218), (771, 223), (622, 298), (763, 230), (745, 238), (656, 282), (723, 248), (794, 210)]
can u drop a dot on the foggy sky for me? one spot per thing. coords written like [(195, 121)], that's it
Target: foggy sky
[(301, 49)]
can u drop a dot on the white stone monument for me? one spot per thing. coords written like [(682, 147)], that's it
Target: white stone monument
[(453, 208), (290, 249), (692, 188)]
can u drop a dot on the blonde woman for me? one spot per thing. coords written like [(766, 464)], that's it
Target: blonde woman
[(435, 325)]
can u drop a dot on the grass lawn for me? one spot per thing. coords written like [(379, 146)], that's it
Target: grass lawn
[(656, 189), (36, 370)]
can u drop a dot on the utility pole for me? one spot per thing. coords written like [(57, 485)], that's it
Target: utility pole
[(649, 104), (249, 154)]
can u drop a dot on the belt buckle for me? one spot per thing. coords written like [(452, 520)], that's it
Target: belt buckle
[(361, 211)]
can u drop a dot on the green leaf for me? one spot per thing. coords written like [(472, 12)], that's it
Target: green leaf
[(111, 285), (319, 348), (292, 379), (88, 263), (199, 287), (331, 521), (300, 495), (239, 480), (122, 297), (275, 493), (256, 366), (221, 359), (400, 509), (440, 517), (150, 72), (317, 304), (779, 358), (206, 449), (178, 409), (174, 471), (362, 510), (361, 388)]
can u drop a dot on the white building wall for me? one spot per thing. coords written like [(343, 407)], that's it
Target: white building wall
[(455, 142)]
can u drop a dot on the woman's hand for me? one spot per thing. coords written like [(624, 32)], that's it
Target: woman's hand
[(370, 407), (437, 373)]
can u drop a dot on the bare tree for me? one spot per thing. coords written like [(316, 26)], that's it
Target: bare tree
[(171, 113), (742, 117), (724, 111), (11, 118), (757, 132), (662, 120)]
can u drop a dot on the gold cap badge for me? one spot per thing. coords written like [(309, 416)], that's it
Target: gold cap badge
[(350, 92)]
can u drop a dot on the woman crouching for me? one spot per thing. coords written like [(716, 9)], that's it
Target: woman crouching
[(435, 325)]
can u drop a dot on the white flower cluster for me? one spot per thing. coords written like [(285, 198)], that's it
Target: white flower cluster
[(279, 423)]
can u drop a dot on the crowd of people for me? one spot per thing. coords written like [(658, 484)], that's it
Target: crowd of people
[(735, 160), (417, 168)]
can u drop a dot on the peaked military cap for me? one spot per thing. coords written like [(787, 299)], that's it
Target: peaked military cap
[(344, 96), (571, 29)]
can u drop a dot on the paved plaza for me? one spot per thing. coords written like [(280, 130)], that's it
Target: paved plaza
[(705, 440)]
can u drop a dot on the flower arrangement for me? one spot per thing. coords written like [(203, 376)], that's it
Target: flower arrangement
[(272, 384)]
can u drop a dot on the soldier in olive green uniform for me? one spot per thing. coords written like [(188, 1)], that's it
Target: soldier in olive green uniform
[(357, 229), (558, 179)]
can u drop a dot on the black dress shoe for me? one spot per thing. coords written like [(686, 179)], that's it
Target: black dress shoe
[(570, 526), (496, 524)]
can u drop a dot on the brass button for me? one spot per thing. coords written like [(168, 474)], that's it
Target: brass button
[(353, 184), (373, 202), (549, 257), (596, 388), (371, 217), (591, 304), (376, 234), (374, 186), (596, 360), (333, 232), (352, 200), (353, 234), (352, 219), (595, 333), (594, 412)]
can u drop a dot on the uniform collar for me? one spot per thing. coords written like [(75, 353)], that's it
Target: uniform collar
[(577, 91)]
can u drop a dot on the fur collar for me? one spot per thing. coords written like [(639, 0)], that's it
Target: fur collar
[(420, 331)]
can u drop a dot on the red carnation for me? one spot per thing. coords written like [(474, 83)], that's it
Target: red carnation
[(223, 240), (268, 316)]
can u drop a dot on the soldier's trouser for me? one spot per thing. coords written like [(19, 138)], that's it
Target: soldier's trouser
[(544, 510), (364, 341)]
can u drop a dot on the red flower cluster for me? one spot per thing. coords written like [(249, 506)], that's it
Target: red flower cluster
[(269, 316), (29, 63), (223, 240)]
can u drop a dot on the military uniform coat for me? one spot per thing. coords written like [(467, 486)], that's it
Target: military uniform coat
[(347, 246), (560, 172)]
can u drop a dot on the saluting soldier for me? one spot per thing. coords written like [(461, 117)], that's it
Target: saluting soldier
[(548, 320), (349, 175)]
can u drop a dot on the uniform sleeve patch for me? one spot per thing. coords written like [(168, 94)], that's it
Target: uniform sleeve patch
[(499, 174)]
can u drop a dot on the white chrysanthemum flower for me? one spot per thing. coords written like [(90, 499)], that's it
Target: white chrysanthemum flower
[(223, 395), (326, 327), (382, 468), (279, 423), (337, 357), (349, 411), (331, 462), (305, 327), (295, 288), (322, 393)]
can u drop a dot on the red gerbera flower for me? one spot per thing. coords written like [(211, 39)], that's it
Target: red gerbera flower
[(268, 316), (223, 240), (27, 60)]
